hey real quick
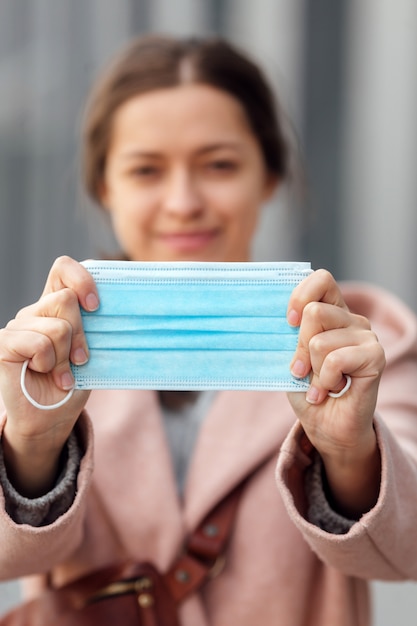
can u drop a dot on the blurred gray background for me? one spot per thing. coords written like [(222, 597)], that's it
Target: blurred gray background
[(345, 72)]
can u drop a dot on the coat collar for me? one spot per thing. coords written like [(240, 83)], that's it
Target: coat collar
[(242, 428)]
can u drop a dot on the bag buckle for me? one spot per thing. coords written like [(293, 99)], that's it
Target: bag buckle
[(217, 567), (140, 586)]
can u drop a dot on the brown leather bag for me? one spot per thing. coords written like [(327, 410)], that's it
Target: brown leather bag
[(136, 594)]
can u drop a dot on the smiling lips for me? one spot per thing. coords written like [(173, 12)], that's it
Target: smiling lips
[(188, 241)]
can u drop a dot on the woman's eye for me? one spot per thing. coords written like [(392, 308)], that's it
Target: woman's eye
[(222, 165), (145, 171)]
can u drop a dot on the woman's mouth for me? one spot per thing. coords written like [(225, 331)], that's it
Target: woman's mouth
[(188, 241)]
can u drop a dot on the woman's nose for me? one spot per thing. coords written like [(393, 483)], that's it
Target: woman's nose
[(182, 195)]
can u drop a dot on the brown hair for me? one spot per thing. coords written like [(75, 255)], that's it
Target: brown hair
[(155, 62)]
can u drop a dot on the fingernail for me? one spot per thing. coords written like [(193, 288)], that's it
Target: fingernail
[(67, 381), (298, 369), (312, 395), (292, 318), (80, 357), (92, 302)]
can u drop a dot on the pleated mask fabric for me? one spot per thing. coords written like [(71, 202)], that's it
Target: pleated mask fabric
[(191, 325)]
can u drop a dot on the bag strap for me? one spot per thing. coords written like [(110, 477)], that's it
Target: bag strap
[(157, 594), (202, 559), (203, 555)]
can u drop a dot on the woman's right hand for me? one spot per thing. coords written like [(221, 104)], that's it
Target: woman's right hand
[(49, 334)]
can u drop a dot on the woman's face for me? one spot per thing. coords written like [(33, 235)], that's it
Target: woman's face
[(185, 177)]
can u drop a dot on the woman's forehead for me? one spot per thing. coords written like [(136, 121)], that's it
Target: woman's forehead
[(195, 113)]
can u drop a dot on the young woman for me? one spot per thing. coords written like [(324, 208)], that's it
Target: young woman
[(182, 147)]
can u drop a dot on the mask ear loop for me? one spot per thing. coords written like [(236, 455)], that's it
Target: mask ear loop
[(43, 407), (342, 392)]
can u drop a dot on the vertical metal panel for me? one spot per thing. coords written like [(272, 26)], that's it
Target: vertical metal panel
[(182, 17), (216, 19), (379, 210), (140, 12), (15, 38), (55, 72), (272, 31), (109, 24), (45, 73), (323, 113)]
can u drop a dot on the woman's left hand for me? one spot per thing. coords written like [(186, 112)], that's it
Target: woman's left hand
[(333, 342)]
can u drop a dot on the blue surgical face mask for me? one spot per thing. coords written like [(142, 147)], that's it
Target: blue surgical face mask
[(191, 325)]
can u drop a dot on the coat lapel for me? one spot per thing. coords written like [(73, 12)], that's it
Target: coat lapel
[(133, 462), (242, 429)]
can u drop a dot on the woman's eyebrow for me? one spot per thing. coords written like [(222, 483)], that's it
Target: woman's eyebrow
[(234, 145), (136, 153)]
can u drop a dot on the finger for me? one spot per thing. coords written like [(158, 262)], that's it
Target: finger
[(64, 305), (316, 394), (325, 345), (67, 272), (319, 318), (364, 362), (58, 336), (17, 347), (320, 286)]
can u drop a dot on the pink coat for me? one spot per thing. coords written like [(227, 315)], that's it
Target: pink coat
[(280, 569)]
